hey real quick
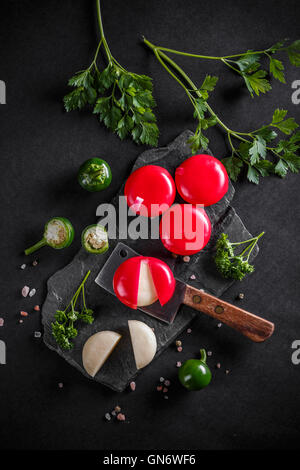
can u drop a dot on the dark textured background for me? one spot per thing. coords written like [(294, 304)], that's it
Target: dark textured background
[(41, 147)]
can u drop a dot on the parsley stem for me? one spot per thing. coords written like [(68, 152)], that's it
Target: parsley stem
[(200, 56), (108, 53), (75, 296), (250, 246), (274, 151), (176, 78), (230, 66), (162, 58), (254, 243), (96, 53), (250, 239), (230, 142), (83, 297), (159, 55), (247, 248)]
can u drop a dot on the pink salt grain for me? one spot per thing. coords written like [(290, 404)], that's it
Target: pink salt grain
[(132, 386), (159, 388), (179, 349), (121, 417), (1, 321), (25, 291), (178, 364), (36, 308), (23, 314)]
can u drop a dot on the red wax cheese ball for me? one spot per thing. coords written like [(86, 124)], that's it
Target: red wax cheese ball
[(126, 280), (150, 185), (201, 179), (185, 229)]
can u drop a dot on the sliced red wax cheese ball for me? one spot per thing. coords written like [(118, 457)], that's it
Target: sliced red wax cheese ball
[(150, 190), (185, 229), (135, 275), (163, 279), (126, 281), (201, 179)]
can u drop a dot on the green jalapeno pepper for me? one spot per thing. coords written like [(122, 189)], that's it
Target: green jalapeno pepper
[(58, 233), (194, 374), (94, 175), (94, 239)]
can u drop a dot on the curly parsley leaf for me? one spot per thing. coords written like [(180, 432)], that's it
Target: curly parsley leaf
[(63, 329), (230, 264)]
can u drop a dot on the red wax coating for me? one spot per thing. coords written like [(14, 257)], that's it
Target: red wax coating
[(185, 229), (201, 179), (148, 185), (126, 280)]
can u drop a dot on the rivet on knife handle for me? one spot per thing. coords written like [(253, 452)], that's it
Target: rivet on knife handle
[(256, 328)]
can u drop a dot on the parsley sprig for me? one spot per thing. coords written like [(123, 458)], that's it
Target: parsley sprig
[(122, 100), (248, 64), (231, 265), (249, 150), (63, 328), (249, 67)]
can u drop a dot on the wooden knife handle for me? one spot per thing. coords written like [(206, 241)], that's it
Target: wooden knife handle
[(256, 328)]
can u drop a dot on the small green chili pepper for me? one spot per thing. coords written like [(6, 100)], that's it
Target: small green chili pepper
[(194, 374), (94, 175), (58, 233), (94, 239)]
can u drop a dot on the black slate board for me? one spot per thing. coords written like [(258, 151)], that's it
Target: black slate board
[(110, 314)]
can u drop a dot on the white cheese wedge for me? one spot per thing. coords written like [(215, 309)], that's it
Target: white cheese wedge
[(143, 342), (97, 349), (147, 294)]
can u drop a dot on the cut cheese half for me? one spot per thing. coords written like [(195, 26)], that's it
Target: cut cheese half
[(97, 349), (147, 294), (142, 280), (143, 342)]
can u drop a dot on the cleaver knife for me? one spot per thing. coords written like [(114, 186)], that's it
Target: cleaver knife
[(255, 328)]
